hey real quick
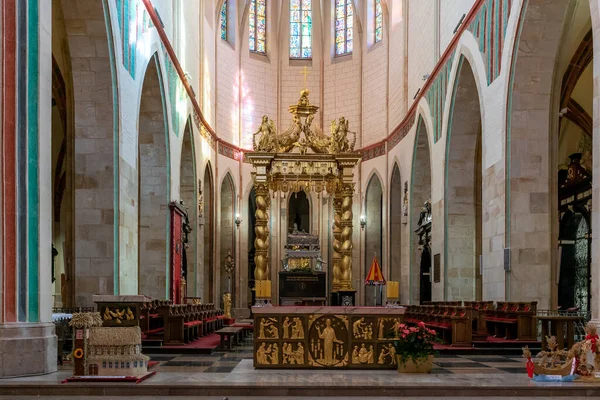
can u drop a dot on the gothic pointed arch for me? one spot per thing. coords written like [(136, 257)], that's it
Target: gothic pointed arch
[(153, 186), (373, 234), (227, 211), (208, 194), (85, 36), (420, 218), (188, 193), (462, 194), (397, 211)]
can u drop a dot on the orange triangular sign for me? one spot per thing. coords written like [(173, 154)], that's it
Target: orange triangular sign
[(375, 276)]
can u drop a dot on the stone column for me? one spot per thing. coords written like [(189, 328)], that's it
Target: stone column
[(261, 228), (28, 345)]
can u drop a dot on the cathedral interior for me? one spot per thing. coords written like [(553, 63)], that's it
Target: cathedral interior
[(246, 157)]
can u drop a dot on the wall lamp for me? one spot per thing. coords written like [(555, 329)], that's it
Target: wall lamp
[(363, 221), (238, 220)]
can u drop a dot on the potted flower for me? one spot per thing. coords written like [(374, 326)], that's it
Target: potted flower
[(414, 347)]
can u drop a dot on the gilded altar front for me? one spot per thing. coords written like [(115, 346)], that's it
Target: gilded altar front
[(325, 337)]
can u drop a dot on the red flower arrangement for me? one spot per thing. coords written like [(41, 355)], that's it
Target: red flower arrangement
[(414, 342)]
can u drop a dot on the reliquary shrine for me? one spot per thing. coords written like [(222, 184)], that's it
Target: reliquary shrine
[(305, 159)]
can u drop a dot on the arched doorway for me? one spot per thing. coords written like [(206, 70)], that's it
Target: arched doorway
[(188, 193), (226, 235), (209, 242), (574, 273), (153, 187), (299, 212), (575, 166), (462, 227), (373, 235), (420, 219), (396, 215)]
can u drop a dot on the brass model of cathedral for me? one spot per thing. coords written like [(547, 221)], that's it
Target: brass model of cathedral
[(305, 158)]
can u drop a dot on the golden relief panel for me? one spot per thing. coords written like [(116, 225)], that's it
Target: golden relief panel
[(328, 341), (268, 329), (267, 354), (293, 328), (387, 354), (385, 328), (324, 341), (116, 315), (362, 328), (363, 353)]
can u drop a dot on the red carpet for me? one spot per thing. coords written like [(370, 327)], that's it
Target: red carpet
[(208, 342)]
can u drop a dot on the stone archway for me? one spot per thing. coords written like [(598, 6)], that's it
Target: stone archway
[(533, 113), (420, 192), (226, 234), (87, 51), (62, 187), (153, 164), (396, 215), (188, 192), (373, 235), (209, 234), (462, 246)]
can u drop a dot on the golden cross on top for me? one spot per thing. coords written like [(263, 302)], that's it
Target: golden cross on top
[(305, 73)]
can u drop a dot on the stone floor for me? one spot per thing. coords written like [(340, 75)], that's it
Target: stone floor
[(262, 398), (231, 374), (228, 361)]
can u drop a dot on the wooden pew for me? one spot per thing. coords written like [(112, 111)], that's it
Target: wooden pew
[(512, 320)]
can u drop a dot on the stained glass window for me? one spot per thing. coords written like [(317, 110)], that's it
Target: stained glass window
[(300, 29), (378, 21), (224, 20), (258, 26), (343, 27)]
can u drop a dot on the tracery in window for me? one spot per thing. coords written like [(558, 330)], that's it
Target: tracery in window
[(258, 26), (224, 20), (300, 29), (378, 21), (343, 27)]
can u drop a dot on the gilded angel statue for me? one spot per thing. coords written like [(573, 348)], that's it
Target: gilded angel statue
[(339, 136), (268, 138)]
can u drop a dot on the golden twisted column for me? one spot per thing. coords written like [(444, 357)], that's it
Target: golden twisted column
[(337, 244), (345, 264), (261, 229)]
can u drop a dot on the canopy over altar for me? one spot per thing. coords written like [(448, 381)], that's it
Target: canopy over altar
[(303, 158)]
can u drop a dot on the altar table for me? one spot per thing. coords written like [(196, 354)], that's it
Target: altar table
[(555, 325), (325, 337)]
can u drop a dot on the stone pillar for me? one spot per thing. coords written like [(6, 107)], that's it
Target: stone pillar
[(595, 267), (27, 340), (261, 228)]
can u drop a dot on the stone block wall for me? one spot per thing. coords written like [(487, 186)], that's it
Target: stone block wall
[(153, 185), (94, 164)]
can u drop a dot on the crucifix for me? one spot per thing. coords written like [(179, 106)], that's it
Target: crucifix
[(305, 73)]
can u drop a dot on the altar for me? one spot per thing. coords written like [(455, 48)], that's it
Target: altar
[(315, 337)]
